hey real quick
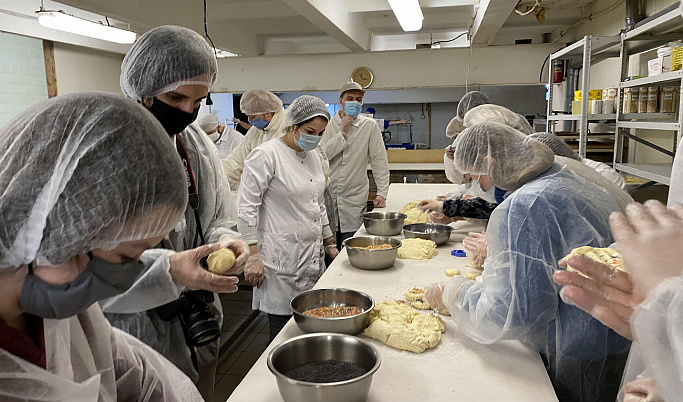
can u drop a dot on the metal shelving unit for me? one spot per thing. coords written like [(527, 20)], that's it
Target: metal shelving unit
[(589, 50), (648, 36)]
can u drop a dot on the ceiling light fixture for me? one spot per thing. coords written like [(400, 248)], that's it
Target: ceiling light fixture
[(62, 21), (408, 14)]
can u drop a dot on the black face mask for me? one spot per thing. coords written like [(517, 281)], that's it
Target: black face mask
[(174, 120)]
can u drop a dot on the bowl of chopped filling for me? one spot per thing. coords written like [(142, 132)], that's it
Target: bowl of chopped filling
[(372, 252), (324, 367), (336, 310)]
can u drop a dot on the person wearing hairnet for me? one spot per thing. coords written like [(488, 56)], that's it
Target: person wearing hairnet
[(548, 211), (644, 303), (383, 123), (349, 141), (282, 212), (562, 149), (169, 70), (225, 138), (267, 118), (89, 182)]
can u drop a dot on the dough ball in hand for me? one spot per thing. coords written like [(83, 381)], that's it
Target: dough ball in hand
[(221, 261)]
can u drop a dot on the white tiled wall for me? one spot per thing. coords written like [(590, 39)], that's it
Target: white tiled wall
[(22, 74)]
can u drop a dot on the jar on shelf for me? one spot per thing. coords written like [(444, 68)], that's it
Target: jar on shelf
[(652, 97), (667, 100), (642, 100), (628, 101)]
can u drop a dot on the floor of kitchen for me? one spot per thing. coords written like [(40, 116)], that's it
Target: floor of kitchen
[(234, 364)]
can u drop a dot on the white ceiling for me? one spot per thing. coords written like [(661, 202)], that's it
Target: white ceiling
[(268, 27)]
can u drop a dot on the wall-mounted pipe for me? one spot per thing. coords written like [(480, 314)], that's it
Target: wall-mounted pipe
[(633, 14)]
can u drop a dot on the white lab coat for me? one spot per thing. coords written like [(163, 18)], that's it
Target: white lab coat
[(349, 185), (605, 170), (282, 196), (133, 311), (234, 163), (88, 360), (228, 141)]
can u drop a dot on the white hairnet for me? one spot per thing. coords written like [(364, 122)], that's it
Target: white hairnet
[(497, 114), (208, 122), (165, 58), (259, 101), (507, 156), (85, 171), (454, 127), (469, 101), (556, 144), (304, 108)]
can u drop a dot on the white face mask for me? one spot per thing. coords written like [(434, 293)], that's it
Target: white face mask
[(488, 195), (215, 136)]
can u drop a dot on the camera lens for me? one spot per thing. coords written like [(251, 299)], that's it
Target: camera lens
[(200, 323)]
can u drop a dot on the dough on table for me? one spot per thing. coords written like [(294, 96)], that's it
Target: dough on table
[(607, 256), (219, 262), (472, 275), (415, 294), (445, 312), (400, 326), (420, 305), (417, 249), (452, 272), (414, 214)]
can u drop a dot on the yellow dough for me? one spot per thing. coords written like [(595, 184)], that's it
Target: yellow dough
[(452, 272), (472, 275), (417, 249), (445, 312), (414, 214), (607, 256), (221, 261), (420, 305), (400, 326), (415, 294)]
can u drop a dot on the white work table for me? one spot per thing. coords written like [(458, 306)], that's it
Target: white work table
[(458, 369)]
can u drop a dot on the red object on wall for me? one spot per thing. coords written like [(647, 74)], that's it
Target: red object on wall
[(558, 71)]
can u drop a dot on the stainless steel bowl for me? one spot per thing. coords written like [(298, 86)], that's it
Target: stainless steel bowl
[(383, 223), (435, 232), (332, 298), (311, 348), (371, 259)]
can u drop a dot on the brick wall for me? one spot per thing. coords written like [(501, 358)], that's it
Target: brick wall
[(22, 74)]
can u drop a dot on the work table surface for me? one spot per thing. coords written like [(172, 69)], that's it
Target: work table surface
[(458, 369)]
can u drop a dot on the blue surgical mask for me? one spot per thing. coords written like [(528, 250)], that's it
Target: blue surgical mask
[(488, 195), (307, 142), (259, 123), (100, 280), (353, 108)]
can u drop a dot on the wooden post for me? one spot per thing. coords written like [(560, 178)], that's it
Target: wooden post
[(50, 72)]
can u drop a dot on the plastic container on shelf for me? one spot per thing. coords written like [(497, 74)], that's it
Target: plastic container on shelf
[(667, 99), (595, 106), (608, 106), (609, 93), (676, 58), (664, 54), (577, 95), (652, 98), (630, 101), (595, 94), (642, 100)]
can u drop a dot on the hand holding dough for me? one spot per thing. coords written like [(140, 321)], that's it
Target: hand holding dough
[(220, 262)]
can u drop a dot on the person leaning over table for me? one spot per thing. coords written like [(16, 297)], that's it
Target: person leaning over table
[(349, 141), (282, 212), (548, 211), (169, 70), (267, 118), (224, 138), (89, 181)]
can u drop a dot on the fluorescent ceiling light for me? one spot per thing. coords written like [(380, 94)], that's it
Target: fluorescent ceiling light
[(221, 54), (408, 14), (68, 23)]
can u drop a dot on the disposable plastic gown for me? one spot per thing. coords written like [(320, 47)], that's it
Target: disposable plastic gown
[(622, 197), (133, 311), (535, 227), (88, 360), (233, 165)]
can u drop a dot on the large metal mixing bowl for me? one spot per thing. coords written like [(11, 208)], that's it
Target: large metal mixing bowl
[(311, 348), (371, 259), (435, 232), (334, 297), (383, 223)]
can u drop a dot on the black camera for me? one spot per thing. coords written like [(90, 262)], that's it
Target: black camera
[(199, 321)]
